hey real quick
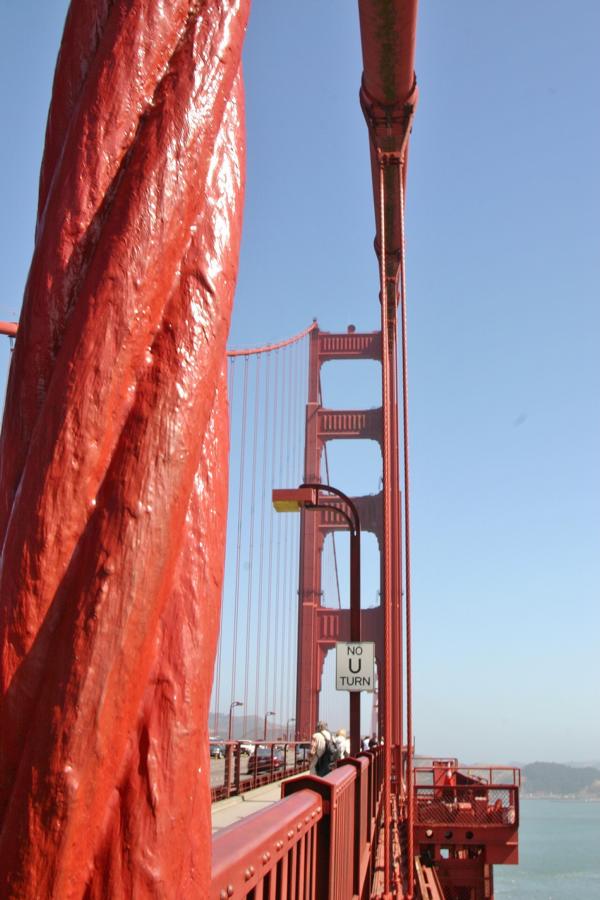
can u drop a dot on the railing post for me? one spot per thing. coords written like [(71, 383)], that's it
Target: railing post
[(362, 821), (335, 834)]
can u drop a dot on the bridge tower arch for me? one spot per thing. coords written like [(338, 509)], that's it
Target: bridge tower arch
[(320, 627)]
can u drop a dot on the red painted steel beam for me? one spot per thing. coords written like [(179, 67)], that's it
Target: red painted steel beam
[(113, 475), (8, 328)]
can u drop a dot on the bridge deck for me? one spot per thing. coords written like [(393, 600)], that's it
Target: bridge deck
[(226, 812)]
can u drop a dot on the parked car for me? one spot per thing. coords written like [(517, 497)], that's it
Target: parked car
[(264, 760), (302, 754), (217, 751)]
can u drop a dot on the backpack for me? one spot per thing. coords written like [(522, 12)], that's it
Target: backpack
[(326, 762)]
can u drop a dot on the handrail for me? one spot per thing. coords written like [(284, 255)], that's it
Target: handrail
[(237, 779), (511, 775), (319, 841), (277, 845)]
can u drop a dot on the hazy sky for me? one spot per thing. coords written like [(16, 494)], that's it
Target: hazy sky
[(503, 265)]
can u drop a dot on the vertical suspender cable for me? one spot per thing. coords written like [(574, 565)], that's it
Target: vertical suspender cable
[(239, 529), (281, 550), (271, 520), (386, 531), (292, 479), (298, 476), (287, 577), (217, 685), (251, 542), (277, 574), (407, 576), (264, 494)]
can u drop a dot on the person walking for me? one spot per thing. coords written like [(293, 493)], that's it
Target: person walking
[(323, 751), (343, 744)]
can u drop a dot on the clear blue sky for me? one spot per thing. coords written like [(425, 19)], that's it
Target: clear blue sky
[(504, 265)]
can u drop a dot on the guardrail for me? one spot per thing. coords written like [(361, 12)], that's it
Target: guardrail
[(466, 818), (240, 766), (273, 853), (481, 805), (477, 795), (318, 841)]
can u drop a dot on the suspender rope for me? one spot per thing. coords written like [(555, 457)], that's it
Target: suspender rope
[(251, 544), (407, 577), (387, 768), (239, 529)]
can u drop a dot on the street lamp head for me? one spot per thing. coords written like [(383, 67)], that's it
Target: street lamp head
[(236, 703), (293, 499)]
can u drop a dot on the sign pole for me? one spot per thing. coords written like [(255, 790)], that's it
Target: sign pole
[(355, 632)]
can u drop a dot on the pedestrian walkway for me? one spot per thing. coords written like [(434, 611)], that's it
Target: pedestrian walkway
[(226, 812)]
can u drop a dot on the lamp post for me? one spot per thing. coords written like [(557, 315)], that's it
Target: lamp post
[(234, 703), (272, 713), (308, 496), (287, 728)]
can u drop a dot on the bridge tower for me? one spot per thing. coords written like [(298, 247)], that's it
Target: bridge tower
[(320, 627)]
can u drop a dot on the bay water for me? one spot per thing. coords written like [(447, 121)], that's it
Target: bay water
[(559, 853)]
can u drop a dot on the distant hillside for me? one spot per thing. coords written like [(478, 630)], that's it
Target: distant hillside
[(252, 728), (554, 779)]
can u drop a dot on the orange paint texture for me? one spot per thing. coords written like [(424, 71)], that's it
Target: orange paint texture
[(113, 458)]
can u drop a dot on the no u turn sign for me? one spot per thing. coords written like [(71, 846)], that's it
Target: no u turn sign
[(355, 666)]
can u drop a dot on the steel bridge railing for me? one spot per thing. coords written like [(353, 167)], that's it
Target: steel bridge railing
[(272, 853), (240, 766), (482, 796), (318, 841)]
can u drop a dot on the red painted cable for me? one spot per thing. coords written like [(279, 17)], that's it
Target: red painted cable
[(239, 530), (270, 347), (287, 542), (250, 594), (387, 754), (10, 329), (281, 532), (265, 495), (293, 544), (217, 678), (269, 645), (407, 569)]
